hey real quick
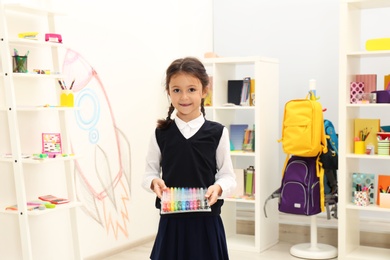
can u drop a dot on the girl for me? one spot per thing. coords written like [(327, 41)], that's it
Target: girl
[(189, 151)]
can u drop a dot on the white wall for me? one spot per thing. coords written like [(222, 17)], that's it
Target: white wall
[(302, 34), (130, 44)]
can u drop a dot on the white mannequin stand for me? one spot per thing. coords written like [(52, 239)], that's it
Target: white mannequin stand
[(313, 250)]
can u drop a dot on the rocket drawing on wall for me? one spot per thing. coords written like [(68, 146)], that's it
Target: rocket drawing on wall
[(102, 174)]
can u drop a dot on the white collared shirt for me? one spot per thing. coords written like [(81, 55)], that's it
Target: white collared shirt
[(225, 177)]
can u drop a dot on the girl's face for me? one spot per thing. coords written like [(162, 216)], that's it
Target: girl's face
[(186, 94)]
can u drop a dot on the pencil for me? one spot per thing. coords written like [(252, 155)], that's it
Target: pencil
[(62, 87), (71, 86)]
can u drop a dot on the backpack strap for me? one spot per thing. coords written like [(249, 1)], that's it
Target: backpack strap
[(275, 194), (320, 175), (285, 164)]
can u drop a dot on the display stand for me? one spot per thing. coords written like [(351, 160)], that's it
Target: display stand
[(313, 250)]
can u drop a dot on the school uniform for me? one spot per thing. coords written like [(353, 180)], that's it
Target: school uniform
[(191, 154)]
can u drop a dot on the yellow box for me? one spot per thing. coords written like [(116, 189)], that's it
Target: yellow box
[(379, 44), (384, 200)]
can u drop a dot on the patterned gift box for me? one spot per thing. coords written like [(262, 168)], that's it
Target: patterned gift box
[(357, 88)]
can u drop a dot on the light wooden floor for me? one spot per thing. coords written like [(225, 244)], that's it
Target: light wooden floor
[(279, 251)]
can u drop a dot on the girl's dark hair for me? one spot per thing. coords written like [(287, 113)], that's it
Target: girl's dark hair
[(191, 66)]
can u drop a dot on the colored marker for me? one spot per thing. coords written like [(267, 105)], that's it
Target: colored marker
[(202, 199), (172, 200), (187, 199), (198, 198)]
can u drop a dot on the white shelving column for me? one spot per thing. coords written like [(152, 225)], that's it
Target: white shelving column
[(19, 171), (14, 138), (265, 116), (354, 59)]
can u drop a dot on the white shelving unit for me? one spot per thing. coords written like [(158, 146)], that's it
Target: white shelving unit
[(265, 116), (354, 59), (18, 89)]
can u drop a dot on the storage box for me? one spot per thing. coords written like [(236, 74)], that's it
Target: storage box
[(382, 96), (384, 200), (356, 88)]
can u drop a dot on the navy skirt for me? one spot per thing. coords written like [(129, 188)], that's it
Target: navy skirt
[(190, 236)]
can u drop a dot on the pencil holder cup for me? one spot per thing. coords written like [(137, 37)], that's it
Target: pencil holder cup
[(384, 199), (383, 147), (19, 64), (362, 198), (66, 98), (360, 147)]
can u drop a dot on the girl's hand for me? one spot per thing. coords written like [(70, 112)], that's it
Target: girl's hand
[(158, 186), (212, 194)]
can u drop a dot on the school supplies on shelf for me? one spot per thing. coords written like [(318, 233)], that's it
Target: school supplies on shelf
[(181, 200), (28, 35), (19, 62), (383, 187), (53, 199), (9, 155), (34, 205), (53, 37), (249, 181), (363, 182), (51, 144), (366, 129)]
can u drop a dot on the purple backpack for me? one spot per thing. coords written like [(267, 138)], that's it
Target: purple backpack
[(300, 189)]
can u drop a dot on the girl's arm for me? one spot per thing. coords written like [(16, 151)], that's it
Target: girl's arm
[(152, 167), (225, 177)]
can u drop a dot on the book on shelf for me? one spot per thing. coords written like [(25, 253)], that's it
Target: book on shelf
[(237, 133), (245, 92), (248, 143), (252, 97), (386, 80), (208, 101), (234, 91), (241, 92), (369, 81)]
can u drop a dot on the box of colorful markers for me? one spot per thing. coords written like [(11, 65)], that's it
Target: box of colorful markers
[(181, 200)]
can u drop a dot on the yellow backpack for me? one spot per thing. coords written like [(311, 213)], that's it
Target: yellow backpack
[(303, 134), (303, 130)]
